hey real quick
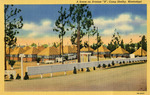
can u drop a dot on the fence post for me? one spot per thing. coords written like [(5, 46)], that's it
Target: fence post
[(41, 76), (65, 73), (51, 74)]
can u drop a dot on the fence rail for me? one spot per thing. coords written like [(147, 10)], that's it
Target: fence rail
[(36, 70)]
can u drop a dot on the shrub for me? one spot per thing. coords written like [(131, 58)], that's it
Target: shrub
[(74, 70), (12, 63), (26, 77), (99, 65), (87, 69), (66, 57), (109, 65), (104, 66), (38, 60), (18, 76), (123, 62), (120, 62), (82, 69), (93, 68), (11, 76), (113, 63)]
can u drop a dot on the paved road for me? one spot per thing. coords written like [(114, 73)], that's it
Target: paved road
[(126, 78)]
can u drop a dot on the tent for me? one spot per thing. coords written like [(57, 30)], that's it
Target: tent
[(86, 49), (49, 53), (120, 52), (140, 52), (26, 48), (14, 55), (31, 54), (40, 48), (103, 51)]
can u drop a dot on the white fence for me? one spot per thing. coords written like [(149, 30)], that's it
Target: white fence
[(36, 70)]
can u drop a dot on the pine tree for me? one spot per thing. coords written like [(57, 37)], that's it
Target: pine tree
[(13, 22)]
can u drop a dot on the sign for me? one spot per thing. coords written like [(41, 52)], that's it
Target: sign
[(21, 55)]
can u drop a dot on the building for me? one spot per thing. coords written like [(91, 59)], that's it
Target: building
[(140, 52), (85, 54), (70, 51), (120, 52), (31, 54), (102, 51), (14, 55), (49, 53)]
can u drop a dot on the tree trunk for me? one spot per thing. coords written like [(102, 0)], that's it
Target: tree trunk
[(78, 43), (97, 46), (62, 51), (5, 43), (9, 53), (88, 42)]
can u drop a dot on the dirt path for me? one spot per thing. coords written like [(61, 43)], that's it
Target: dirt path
[(127, 78)]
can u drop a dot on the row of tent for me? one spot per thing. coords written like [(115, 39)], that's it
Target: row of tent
[(50, 53)]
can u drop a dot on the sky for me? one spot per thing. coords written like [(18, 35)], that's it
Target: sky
[(129, 20)]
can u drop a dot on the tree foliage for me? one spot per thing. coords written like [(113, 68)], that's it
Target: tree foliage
[(97, 45), (45, 45), (60, 24), (56, 44), (34, 45), (115, 42), (13, 23), (80, 21), (143, 43)]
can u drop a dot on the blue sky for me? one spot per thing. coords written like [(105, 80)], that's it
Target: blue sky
[(127, 19)]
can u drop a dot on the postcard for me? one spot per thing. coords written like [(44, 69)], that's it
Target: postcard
[(74, 47)]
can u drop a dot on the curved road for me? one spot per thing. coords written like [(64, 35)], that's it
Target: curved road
[(126, 78)]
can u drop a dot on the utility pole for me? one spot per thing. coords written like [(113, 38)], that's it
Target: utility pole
[(141, 45), (97, 45), (78, 43)]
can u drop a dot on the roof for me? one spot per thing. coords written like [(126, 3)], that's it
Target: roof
[(15, 48), (26, 47), (7, 50), (86, 49), (40, 48), (102, 49), (49, 51), (140, 52), (69, 49), (18, 50), (32, 50), (119, 50)]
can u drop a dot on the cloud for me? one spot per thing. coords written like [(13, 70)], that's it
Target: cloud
[(108, 31), (124, 23), (36, 30)]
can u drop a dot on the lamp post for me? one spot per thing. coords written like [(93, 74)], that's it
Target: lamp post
[(97, 43), (21, 55)]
